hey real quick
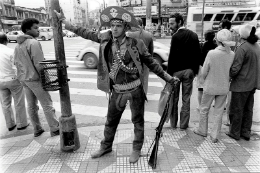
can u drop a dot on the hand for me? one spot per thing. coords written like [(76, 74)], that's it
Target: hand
[(60, 15), (174, 80)]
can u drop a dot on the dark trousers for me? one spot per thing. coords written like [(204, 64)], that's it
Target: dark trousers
[(241, 113), (115, 110), (186, 79)]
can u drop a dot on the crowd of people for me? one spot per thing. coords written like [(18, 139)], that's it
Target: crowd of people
[(221, 66)]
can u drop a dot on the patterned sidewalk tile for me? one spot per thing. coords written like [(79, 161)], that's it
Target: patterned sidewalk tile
[(179, 151)]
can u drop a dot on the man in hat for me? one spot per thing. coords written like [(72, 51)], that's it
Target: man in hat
[(120, 72)]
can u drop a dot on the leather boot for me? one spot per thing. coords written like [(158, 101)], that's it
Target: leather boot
[(100, 153), (134, 156)]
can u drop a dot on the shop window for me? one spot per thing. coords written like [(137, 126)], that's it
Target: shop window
[(208, 17), (250, 16), (197, 17), (240, 16), (219, 17), (229, 16)]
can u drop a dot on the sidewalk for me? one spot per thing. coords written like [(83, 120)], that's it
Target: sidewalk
[(179, 151)]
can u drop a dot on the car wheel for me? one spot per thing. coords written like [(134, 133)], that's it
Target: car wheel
[(158, 59), (90, 60), (43, 38)]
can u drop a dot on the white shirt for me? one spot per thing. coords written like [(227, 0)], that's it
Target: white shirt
[(7, 68)]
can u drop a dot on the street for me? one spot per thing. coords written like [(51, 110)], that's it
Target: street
[(90, 105), (179, 151)]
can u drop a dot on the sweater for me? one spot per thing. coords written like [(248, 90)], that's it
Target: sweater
[(215, 71)]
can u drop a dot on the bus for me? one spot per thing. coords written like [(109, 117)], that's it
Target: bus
[(213, 15)]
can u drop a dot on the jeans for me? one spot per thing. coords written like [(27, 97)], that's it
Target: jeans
[(206, 102), (15, 89), (116, 108), (35, 92), (186, 79), (241, 113)]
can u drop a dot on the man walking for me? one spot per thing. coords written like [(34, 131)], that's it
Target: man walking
[(148, 41), (120, 71), (28, 53), (11, 87), (184, 58)]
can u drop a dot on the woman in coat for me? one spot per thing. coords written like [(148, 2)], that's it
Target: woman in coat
[(245, 74), (215, 76)]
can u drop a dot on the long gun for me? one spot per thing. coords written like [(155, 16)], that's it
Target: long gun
[(153, 157)]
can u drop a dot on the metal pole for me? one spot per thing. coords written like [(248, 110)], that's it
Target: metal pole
[(1, 22), (69, 139), (202, 20), (159, 18), (148, 15)]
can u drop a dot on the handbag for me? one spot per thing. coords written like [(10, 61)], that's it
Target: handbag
[(165, 93)]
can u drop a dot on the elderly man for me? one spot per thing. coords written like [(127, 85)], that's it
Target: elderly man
[(11, 87), (120, 72)]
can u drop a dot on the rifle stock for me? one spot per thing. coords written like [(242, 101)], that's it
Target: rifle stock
[(153, 158)]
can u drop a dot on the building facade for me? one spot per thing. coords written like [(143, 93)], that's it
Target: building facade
[(8, 15), (11, 16)]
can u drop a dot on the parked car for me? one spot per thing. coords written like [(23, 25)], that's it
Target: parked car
[(90, 54), (12, 35), (45, 33)]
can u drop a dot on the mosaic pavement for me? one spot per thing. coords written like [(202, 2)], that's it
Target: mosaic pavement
[(179, 151)]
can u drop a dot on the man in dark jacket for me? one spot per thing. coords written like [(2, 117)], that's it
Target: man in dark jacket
[(184, 58), (120, 71)]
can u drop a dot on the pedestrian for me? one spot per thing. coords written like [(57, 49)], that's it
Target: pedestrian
[(209, 44), (147, 38), (120, 71), (27, 55), (245, 74), (11, 87), (184, 59), (226, 24), (215, 79)]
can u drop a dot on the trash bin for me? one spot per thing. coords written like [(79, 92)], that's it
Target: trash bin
[(49, 75)]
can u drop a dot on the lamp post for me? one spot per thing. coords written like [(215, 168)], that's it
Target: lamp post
[(1, 22), (202, 21), (159, 19), (69, 137)]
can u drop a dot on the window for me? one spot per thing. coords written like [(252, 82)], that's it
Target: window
[(229, 16), (250, 16), (258, 18), (208, 17), (240, 16), (197, 17), (219, 17)]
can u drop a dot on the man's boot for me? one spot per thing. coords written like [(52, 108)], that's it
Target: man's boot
[(100, 153), (134, 156)]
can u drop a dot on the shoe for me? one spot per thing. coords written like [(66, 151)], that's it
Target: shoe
[(100, 153), (182, 129), (245, 137), (134, 156), (198, 133), (213, 140), (36, 134), (231, 136), (12, 128), (24, 127), (55, 133)]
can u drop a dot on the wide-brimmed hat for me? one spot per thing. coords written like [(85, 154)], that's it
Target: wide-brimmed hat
[(225, 37), (245, 30), (117, 13)]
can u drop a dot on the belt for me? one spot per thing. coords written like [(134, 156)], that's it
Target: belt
[(7, 78), (128, 87)]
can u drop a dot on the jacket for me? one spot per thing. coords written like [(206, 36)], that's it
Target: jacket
[(245, 70), (27, 55), (185, 52), (148, 41), (215, 71), (135, 47)]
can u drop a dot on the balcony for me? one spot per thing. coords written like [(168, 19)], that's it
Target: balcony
[(9, 17)]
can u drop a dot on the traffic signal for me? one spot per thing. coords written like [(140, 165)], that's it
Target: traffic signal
[(78, 1)]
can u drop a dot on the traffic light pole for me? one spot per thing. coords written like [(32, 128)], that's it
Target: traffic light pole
[(69, 138), (148, 15)]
